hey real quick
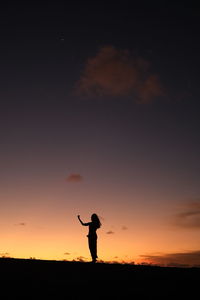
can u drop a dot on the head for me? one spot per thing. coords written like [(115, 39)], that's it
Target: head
[(95, 219)]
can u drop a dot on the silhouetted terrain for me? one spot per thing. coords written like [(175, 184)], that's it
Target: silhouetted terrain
[(37, 279)]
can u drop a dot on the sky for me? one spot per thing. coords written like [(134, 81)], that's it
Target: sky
[(99, 113)]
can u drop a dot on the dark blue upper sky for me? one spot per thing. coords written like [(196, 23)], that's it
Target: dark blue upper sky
[(44, 50)]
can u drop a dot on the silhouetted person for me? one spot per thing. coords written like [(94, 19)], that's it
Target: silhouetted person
[(92, 235)]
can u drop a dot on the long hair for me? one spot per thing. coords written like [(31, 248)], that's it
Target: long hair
[(95, 220)]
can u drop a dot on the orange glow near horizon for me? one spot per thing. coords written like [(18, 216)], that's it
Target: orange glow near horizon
[(53, 232)]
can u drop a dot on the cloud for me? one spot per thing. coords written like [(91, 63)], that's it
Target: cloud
[(74, 178), (4, 254), (110, 232), (66, 253), (21, 224), (124, 228), (116, 73), (189, 217), (190, 258), (81, 259)]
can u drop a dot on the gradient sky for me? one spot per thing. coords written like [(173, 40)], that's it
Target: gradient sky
[(99, 112)]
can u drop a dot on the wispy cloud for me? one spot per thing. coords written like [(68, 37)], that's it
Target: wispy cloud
[(190, 258), (74, 177), (124, 228), (21, 224), (115, 73), (189, 216), (110, 232), (81, 259), (66, 253), (4, 254)]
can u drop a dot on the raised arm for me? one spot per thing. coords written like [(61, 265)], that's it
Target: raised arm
[(84, 224)]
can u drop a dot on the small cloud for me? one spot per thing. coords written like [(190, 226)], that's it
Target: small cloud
[(184, 259), (66, 253), (110, 232), (124, 228), (81, 258), (189, 217), (21, 224), (74, 178), (117, 73), (4, 254)]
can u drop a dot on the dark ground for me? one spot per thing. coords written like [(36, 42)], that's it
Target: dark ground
[(37, 279)]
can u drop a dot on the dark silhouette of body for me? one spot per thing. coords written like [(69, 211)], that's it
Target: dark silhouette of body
[(92, 235)]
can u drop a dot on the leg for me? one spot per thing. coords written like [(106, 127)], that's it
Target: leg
[(93, 247)]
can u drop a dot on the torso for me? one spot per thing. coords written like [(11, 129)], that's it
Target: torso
[(92, 230)]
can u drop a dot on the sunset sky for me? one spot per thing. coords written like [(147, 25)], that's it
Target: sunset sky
[(99, 112)]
